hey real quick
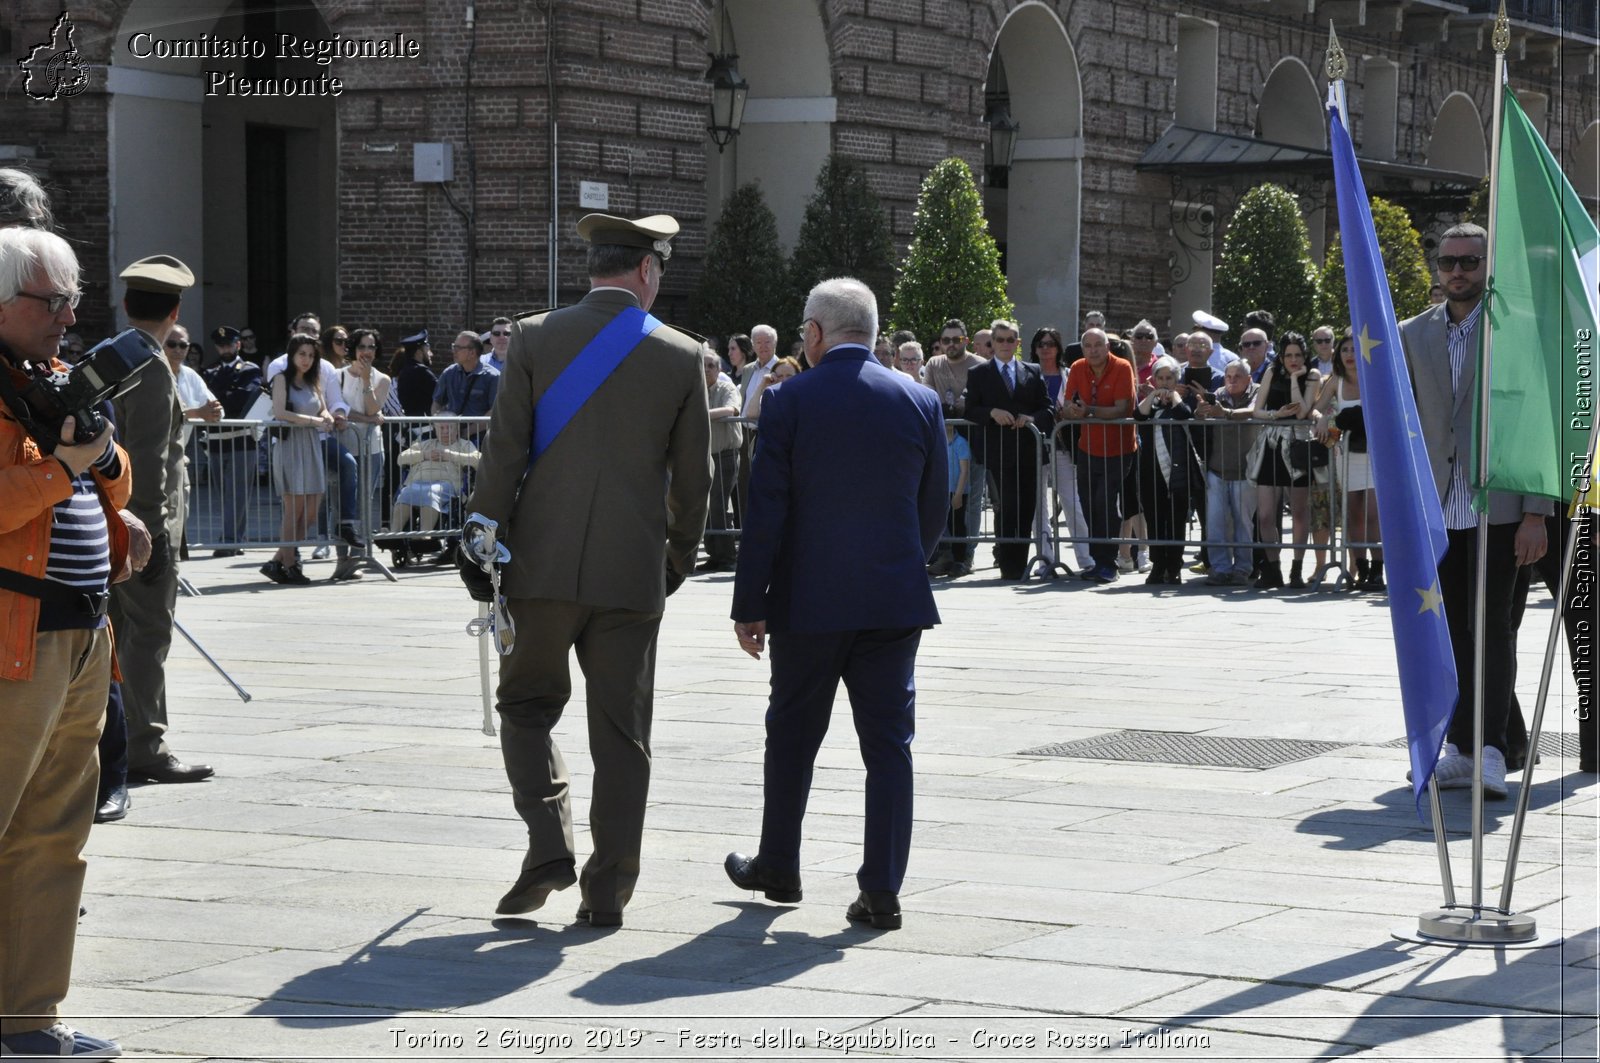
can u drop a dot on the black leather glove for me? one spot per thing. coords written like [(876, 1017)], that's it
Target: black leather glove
[(160, 558), (674, 580), (479, 586)]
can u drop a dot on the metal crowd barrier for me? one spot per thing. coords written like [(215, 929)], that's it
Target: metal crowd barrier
[(240, 470)]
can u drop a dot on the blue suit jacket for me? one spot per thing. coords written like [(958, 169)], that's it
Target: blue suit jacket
[(848, 495)]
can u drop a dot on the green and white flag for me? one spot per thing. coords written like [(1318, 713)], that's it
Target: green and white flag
[(1544, 288)]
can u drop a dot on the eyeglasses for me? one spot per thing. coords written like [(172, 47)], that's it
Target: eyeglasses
[(247, 335), (500, 332), (1048, 342), (1002, 339), (55, 301), (175, 345), (1468, 263), (801, 331), (340, 340), (1253, 343), (1321, 339), (951, 339), (1144, 335)]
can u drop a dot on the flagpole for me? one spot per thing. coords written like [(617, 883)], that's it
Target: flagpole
[(1525, 791), (1480, 611)]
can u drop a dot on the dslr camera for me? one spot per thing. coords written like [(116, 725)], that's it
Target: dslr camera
[(52, 395)]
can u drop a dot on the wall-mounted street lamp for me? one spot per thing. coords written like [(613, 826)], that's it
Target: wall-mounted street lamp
[(1002, 134), (729, 90)]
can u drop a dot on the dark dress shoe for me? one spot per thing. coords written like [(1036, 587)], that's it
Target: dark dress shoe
[(747, 873), (599, 919), (880, 909), (171, 769), (534, 885), (114, 807), (226, 553)]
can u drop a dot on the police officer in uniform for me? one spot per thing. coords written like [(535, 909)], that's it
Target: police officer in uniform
[(232, 450), (622, 488), (150, 426)]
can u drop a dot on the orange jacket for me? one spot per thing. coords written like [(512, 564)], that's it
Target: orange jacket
[(30, 486)]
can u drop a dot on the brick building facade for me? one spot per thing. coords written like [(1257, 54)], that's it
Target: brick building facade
[(340, 222)]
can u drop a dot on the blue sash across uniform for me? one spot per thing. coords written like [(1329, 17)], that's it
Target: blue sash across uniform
[(584, 374)]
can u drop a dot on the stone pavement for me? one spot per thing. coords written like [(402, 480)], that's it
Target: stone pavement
[(330, 894)]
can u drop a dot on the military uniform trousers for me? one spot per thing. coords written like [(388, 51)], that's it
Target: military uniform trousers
[(48, 775), (617, 652), (141, 614), (878, 668)]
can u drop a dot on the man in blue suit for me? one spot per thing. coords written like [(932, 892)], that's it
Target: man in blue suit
[(848, 495)]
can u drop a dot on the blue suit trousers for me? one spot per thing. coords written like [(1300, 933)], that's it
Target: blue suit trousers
[(877, 667)]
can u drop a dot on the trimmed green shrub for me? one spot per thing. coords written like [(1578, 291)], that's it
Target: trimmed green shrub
[(952, 268), (845, 234), (1266, 262), (1403, 261), (744, 282)]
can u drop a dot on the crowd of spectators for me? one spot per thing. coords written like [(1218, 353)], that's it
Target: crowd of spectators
[(1149, 447)]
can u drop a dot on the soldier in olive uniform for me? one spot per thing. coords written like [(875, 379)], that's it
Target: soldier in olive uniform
[(621, 488)]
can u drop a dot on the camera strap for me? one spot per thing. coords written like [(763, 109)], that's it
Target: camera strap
[(90, 603)]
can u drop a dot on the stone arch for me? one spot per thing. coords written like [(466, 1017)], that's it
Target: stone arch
[(1584, 165), (1291, 108), (787, 131), (206, 176), (1458, 142), (1037, 217)]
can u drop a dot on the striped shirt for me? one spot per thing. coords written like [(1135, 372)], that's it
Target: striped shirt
[(1461, 343), (80, 545)]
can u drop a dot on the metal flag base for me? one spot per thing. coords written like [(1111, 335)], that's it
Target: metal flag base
[(1462, 927)]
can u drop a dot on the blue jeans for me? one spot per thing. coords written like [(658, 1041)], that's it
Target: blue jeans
[(1230, 517)]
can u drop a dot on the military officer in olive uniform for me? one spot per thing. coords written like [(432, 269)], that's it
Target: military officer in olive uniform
[(150, 427), (621, 489)]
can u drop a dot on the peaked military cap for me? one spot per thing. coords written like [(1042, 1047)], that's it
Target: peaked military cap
[(652, 234), (1209, 322), (224, 334), (419, 337), (158, 273)]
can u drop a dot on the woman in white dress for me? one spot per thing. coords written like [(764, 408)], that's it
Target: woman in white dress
[(1338, 413)]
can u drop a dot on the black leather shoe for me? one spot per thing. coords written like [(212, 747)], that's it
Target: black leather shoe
[(748, 874), (171, 769), (878, 908), (536, 884), (599, 919), (226, 553), (114, 807)]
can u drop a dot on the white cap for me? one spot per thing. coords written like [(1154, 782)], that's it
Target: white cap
[(1209, 322)]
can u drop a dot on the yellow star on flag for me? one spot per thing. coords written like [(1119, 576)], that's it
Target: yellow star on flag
[(1367, 345), (1432, 600)]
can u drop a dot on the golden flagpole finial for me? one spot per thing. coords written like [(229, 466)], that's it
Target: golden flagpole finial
[(1336, 66), (1502, 31)]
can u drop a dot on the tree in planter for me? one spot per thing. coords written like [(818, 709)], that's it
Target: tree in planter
[(953, 266), (1403, 261), (743, 283), (1266, 261), (845, 234)]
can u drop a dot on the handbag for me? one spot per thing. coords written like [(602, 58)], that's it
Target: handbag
[(1306, 451)]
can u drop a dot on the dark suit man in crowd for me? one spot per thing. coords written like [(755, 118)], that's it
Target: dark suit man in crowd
[(1005, 395), (150, 426), (832, 566), (1441, 350), (236, 381), (623, 485)]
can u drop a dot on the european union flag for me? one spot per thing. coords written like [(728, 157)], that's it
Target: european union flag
[(1408, 501)]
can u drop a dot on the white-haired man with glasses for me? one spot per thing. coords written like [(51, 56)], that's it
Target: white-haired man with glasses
[(61, 542)]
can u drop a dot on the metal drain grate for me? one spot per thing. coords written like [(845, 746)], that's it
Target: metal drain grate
[(1550, 745), (1165, 747)]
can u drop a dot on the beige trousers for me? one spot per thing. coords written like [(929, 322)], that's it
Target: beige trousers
[(49, 774)]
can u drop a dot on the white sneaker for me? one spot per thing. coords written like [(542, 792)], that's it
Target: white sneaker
[(1143, 564), (1494, 772), (1124, 564), (1454, 771)]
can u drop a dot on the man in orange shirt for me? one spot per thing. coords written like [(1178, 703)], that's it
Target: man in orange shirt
[(1100, 387), (61, 543)]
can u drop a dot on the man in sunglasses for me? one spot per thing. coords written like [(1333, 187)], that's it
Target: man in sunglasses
[(499, 340), (1441, 346)]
